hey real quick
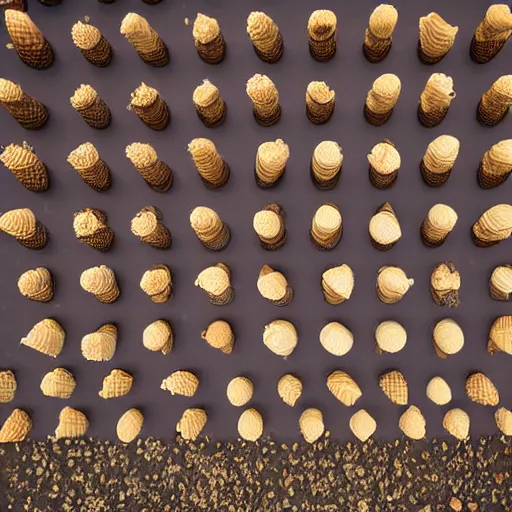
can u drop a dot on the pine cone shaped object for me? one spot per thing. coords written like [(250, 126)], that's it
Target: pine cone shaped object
[(47, 337), (37, 284), (100, 345), (72, 423), (90, 226), (25, 228), (250, 425), (395, 387), (129, 425), (16, 427), (117, 383), (92, 44), (58, 383), (181, 383), (344, 387), (311, 424), (289, 388), (148, 226), (8, 386), (191, 423), (26, 167), (481, 390)]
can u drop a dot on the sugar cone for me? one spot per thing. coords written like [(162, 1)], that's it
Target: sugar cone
[(384, 228), (435, 99), (26, 167), (384, 162), (152, 110), (37, 284), (493, 226), (148, 226), (322, 35), (436, 38), (220, 336), (92, 44), (216, 282), (438, 224), (269, 225), (500, 283), (439, 159), (23, 225), (90, 226), (209, 228), (265, 37), (496, 102), (392, 284), (496, 165), (157, 174), (101, 282), (378, 37), (320, 102), (210, 106), (326, 165), (337, 284), (381, 99), (91, 107), (327, 227), (265, 100), (208, 39), (214, 171), (86, 160), (271, 160), (274, 287)]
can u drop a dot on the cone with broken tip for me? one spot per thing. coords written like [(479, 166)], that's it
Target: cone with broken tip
[(216, 281), (208, 39), (320, 102), (384, 161), (322, 34), (436, 38), (148, 226), (265, 36), (92, 44), (210, 106), (90, 226), (435, 99), (91, 107), (445, 285), (495, 103), (156, 173)]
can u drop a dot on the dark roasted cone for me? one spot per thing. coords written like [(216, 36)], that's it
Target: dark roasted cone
[(220, 242), (157, 58), (380, 181), (431, 178), (379, 49), (212, 52), (320, 113), (216, 121), (155, 179), (225, 177), (482, 243), (210, 106), (490, 181), (26, 167), (275, 54), (38, 240), (101, 54), (268, 120), (374, 118), (102, 238), (490, 118), (331, 245), (156, 116), (484, 51), (37, 58), (433, 118), (91, 107), (323, 50)]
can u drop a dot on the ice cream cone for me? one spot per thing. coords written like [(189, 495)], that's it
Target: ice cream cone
[(90, 226), (326, 165), (208, 39), (92, 44), (220, 336), (101, 282), (384, 228), (327, 227), (86, 160), (209, 228), (500, 283), (274, 287), (91, 107), (378, 37), (265, 100), (271, 160), (381, 99), (212, 169), (25, 228), (151, 108), (210, 106), (392, 284), (265, 37), (157, 283), (435, 99), (496, 165), (322, 35), (448, 338), (216, 282), (37, 284), (496, 102), (337, 284), (493, 226), (436, 38), (438, 224), (320, 102), (439, 159), (157, 174), (384, 162), (148, 226), (269, 225), (26, 167)]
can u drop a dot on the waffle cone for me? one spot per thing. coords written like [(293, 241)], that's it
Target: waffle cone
[(394, 386), (436, 38), (216, 282), (23, 225), (265, 100), (30, 45), (16, 427), (208, 39), (155, 173), (435, 99), (92, 44), (239, 391), (209, 164), (344, 387), (191, 423), (101, 282), (150, 48), (158, 337), (496, 165), (481, 390), (265, 37), (322, 35), (210, 106), (117, 383), (250, 425), (219, 335), (8, 386), (392, 284), (47, 337), (209, 228), (37, 284), (327, 227), (72, 423), (157, 283), (181, 383), (26, 167), (500, 283), (58, 383), (338, 284), (274, 287), (100, 345), (289, 388), (152, 110), (91, 107), (500, 335), (311, 425), (129, 425), (493, 226), (496, 102), (326, 164), (86, 160), (271, 160), (269, 225), (384, 228), (148, 226), (384, 162), (438, 224), (91, 228), (379, 34), (320, 102), (29, 113)]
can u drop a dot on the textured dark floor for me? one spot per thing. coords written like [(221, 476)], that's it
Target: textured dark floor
[(237, 140)]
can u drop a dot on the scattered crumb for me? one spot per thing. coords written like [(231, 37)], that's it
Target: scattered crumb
[(87, 19), (9, 46), (187, 22)]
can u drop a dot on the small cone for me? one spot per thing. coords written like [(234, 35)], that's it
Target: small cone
[(216, 282), (392, 284), (491, 34), (289, 388), (500, 283), (91, 228), (320, 102), (151, 108), (92, 44), (336, 339), (250, 425), (439, 391), (327, 227), (209, 228), (265, 37), (456, 422), (344, 387), (208, 39), (23, 225), (117, 383), (212, 169), (26, 167), (269, 225), (37, 284), (191, 424), (101, 344), (271, 160), (265, 100), (438, 224), (29, 113), (151, 49), (500, 335), (413, 424), (445, 285), (101, 282), (496, 102), (322, 35), (219, 335), (311, 424), (181, 383), (435, 99), (326, 165), (158, 337), (384, 162), (28, 41), (338, 284), (493, 226), (157, 174), (210, 106), (363, 425), (274, 287), (481, 390), (384, 228), (239, 391), (381, 99), (91, 107), (148, 226), (436, 38), (58, 383), (72, 423), (496, 165), (390, 337), (503, 418), (8, 386), (439, 159), (378, 37), (47, 337), (129, 425), (86, 160), (280, 337), (157, 283), (395, 387), (16, 427), (448, 338)]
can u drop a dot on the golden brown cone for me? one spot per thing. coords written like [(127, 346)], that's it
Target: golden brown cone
[(322, 34), (384, 160), (289, 388), (412, 423), (362, 425), (492, 33), (379, 34), (496, 164), (16, 427), (36, 284), (47, 337), (326, 226), (439, 159), (212, 169), (157, 283), (265, 36), (191, 423), (456, 422), (150, 107), (436, 37), (239, 391), (326, 164), (280, 337), (26, 167), (101, 282), (250, 425), (493, 226), (25, 228), (439, 391), (216, 282), (101, 344), (448, 338), (435, 99), (157, 174), (72, 423), (445, 285), (91, 107), (395, 387), (209, 228), (117, 383), (28, 112), (86, 160), (219, 335), (92, 44), (8, 386), (338, 284), (390, 337), (481, 390), (438, 224), (344, 387), (58, 383), (392, 284), (384, 228), (320, 102), (129, 425), (158, 337), (271, 160), (311, 424), (500, 283), (181, 382), (265, 99), (500, 335), (503, 418), (208, 39), (91, 227), (495, 102), (274, 287), (210, 106), (336, 339)]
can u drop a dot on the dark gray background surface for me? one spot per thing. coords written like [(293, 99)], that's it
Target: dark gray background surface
[(237, 140)]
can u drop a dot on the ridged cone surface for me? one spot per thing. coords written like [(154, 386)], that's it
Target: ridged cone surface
[(117, 383), (144, 96), (47, 337), (494, 225), (214, 280), (439, 391), (363, 425), (22, 30), (336, 339), (98, 280), (84, 156), (438, 93), (156, 281), (501, 280), (322, 24), (384, 226), (267, 224), (319, 92), (141, 155), (181, 382), (20, 223), (84, 97), (441, 154), (280, 336), (384, 158), (412, 423), (16, 427), (16, 158), (8, 386), (327, 160), (496, 25), (262, 92), (58, 383), (440, 221), (311, 424), (448, 336), (10, 92), (272, 285), (205, 29), (239, 391), (289, 388), (481, 390), (456, 422), (158, 337), (250, 425), (500, 334), (139, 33), (207, 160), (129, 425), (72, 423), (206, 223), (205, 94), (436, 35), (36, 284), (85, 36), (326, 221), (384, 94), (145, 222), (219, 335), (382, 21), (87, 223), (393, 284), (191, 423), (339, 281), (271, 160), (344, 387), (395, 387), (497, 161), (100, 345), (262, 30), (390, 336), (503, 418)]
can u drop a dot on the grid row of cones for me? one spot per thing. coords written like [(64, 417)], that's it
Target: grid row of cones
[(436, 37)]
